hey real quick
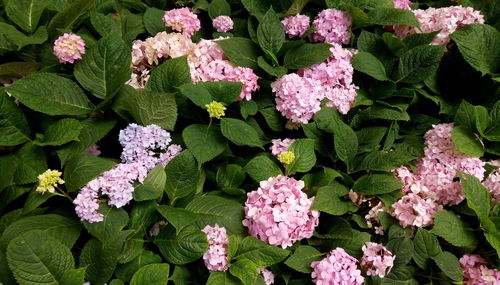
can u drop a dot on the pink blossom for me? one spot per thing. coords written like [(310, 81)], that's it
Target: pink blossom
[(332, 26), (278, 212), (446, 20), (69, 47), (296, 26), (182, 20), (93, 150), (215, 257), (372, 219), (337, 267), (267, 275), (402, 4), (377, 260), (297, 98), (476, 272), (222, 24), (172, 151), (413, 210), (492, 183), (280, 146)]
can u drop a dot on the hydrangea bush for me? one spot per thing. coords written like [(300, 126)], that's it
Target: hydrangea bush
[(249, 142)]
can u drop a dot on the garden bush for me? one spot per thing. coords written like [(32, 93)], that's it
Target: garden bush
[(249, 142)]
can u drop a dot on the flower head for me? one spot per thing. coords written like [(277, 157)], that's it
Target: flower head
[(278, 212), (296, 26), (286, 157), (267, 275), (216, 256), (48, 180), (215, 110), (280, 146), (377, 260), (69, 47), (337, 267), (332, 26), (222, 24), (492, 183), (182, 20), (402, 4), (476, 272)]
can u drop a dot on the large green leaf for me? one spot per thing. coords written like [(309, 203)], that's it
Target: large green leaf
[(305, 55), (448, 263), (302, 258), (105, 67), (153, 185), (65, 19), (114, 220), (213, 210), (37, 258), (392, 16), (262, 167), (426, 246), (222, 278), (373, 184), (50, 94), (455, 231), (218, 8), (480, 47), (345, 142), (205, 142), (466, 142), (240, 51), (367, 63), (271, 33), (384, 160), (153, 20), (186, 246), (11, 39), (14, 128), (61, 132), (149, 107), (30, 161), (170, 75), (245, 270), (328, 200), (239, 132), (419, 63), (25, 13), (83, 168), (182, 176), (305, 158), (126, 271), (153, 274), (73, 276), (260, 253)]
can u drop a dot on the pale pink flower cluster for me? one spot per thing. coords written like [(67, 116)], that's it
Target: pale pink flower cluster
[(280, 146), (337, 267), (476, 272), (492, 183), (267, 275), (377, 260), (372, 219), (278, 212), (296, 26), (435, 183), (299, 95), (446, 20), (222, 24), (116, 184), (93, 150), (182, 20), (215, 257), (402, 4), (332, 26), (69, 47)]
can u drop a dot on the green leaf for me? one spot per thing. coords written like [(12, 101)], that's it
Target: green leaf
[(305, 55), (466, 142), (106, 25), (223, 91), (328, 200), (153, 185), (455, 231), (305, 158), (178, 217), (245, 270), (392, 16), (25, 13), (115, 219), (260, 253), (448, 263), (14, 128), (231, 175), (416, 40), (402, 248), (273, 118), (170, 75), (367, 63), (65, 19), (205, 142), (239, 132), (466, 115), (353, 245), (248, 108), (182, 176), (494, 240), (150, 107), (153, 20), (212, 210), (375, 184), (222, 278), (240, 51), (271, 33), (479, 45), (478, 199), (379, 111), (73, 276), (105, 67), (345, 142), (262, 167), (277, 71), (12, 39), (146, 257), (50, 94), (426, 246), (302, 258), (256, 8), (61, 132), (16, 69), (37, 258), (384, 160), (186, 246), (219, 8), (419, 63), (153, 274), (83, 168), (30, 162)]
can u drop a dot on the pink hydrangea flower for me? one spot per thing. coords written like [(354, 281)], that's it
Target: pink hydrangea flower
[(172, 151), (402, 4), (413, 210), (337, 267), (222, 24), (297, 98), (278, 212), (280, 146), (377, 260), (116, 184), (492, 183), (267, 275), (296, 26), (446, 20), (93, 150), (215, 257), (182, 20), (372, 219), (332, 26), (476, 272), (69, 47)]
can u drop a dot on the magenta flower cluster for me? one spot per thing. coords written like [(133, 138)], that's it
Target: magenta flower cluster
[(68, 48), (222, 24), (338, 267), (332, 26), (215, 257), (446, 20), (296, 26), (182, 20), (278, 212), (476, 272), (377, 260)]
